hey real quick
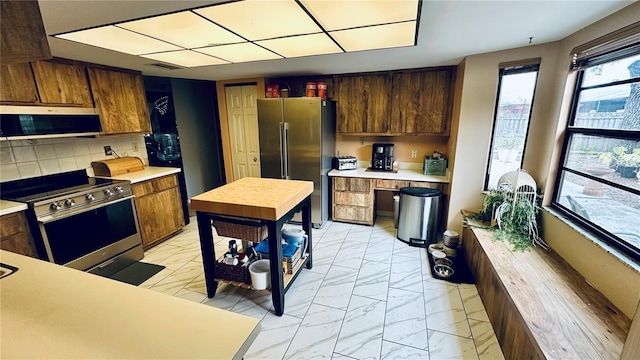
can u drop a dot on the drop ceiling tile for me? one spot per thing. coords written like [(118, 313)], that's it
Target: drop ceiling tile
[(376, 37), (258, 19), (303, 45), (185, 58), (337, 15), (185, 29), (240, 52), (114, 38)]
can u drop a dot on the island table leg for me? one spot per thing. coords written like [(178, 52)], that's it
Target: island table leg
[(208, 252)]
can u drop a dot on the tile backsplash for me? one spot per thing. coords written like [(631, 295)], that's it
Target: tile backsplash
[(20, 159)]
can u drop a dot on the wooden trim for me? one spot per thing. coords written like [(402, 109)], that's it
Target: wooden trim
[(224, 121)]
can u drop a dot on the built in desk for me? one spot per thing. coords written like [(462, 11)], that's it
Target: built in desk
[(274, 201)]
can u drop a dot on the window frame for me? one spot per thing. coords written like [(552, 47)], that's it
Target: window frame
[(601, 233), (510, 70)]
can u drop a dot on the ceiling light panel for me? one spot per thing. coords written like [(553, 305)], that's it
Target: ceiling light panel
[(186, 58), (337, 15), (303, 45), (260, 19), (185, 29), (240, 52), (114, 38), (376, 37)]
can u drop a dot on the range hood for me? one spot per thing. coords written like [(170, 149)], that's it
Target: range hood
[(38, 122)]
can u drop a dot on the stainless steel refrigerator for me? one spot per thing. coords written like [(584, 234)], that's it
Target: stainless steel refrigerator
[(297, 142)]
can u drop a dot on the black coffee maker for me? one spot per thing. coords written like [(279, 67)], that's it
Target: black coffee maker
[(382, 157)]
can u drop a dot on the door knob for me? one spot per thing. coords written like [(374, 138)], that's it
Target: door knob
[(255, 159)]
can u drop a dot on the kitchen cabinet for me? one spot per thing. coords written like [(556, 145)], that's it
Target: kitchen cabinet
[(159, 209), (363, 104), (45, 83), (18, 84), (120, 100), (353, 200), (23, 37), (62, 84), (421, 102), (399, 102), (15, 235)]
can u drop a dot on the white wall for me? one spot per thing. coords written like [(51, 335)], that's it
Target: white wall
[(20, 159), (473, 120)]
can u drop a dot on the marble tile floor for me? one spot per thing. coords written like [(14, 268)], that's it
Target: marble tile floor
[(368, 296)]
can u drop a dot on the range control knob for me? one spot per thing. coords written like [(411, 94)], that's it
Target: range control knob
[(118, 189), (108, 192), (90, 197), (55, 206), (69, 202)]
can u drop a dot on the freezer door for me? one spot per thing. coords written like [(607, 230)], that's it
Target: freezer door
[(303, 120), (271, 147)]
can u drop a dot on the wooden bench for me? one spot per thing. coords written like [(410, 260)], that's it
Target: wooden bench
[(539, 306)]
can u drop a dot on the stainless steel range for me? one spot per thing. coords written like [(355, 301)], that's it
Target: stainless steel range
[(81, 222)]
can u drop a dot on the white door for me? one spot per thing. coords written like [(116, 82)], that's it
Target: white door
[(243, 130)]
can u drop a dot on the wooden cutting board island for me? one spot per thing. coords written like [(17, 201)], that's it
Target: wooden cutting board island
[(274, 201)]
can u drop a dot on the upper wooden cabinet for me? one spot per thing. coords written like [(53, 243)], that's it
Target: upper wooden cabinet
[(403, 102), (23, 37), (60, 83), (120, 100), (18, 84), (421, 102), (363, 103), (45, 83)]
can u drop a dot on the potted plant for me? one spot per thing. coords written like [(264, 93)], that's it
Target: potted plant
[(517, 220), (625, 162)]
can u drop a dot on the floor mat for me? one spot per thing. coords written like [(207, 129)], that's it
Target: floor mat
[(137, 273), (461, 272)]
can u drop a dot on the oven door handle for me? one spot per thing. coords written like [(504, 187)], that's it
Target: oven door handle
[(51, 218)]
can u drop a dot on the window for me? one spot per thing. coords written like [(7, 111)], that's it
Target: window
[(598, 183), (511, 121)]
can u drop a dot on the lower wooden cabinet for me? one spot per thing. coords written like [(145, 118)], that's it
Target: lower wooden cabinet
[(353, 200), (159, 209), (15, 235)]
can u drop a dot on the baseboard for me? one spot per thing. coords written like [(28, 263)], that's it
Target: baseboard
[(384, 213)]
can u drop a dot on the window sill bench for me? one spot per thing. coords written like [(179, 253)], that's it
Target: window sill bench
[(539, 306)]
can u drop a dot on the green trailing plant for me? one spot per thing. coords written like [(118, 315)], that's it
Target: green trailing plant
[(491, 201), (517, 221)]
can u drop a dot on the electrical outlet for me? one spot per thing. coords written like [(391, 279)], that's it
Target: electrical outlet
[(414, 154), (134, 147), (107, 150)]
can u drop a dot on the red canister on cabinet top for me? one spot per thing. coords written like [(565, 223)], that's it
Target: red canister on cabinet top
[(311, 89), (322, 90), (272, 91)]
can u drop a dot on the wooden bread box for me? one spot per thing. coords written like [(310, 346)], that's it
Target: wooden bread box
[(119, 166)]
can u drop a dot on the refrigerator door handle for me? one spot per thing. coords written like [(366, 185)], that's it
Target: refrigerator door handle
[(285, 149)]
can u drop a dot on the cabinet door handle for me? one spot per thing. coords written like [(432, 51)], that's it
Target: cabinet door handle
[(255, 159)]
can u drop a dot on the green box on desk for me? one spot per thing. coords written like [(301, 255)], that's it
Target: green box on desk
[(434, 166)]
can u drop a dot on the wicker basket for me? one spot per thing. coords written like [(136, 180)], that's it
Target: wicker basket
[(232, 272), (253, 230)]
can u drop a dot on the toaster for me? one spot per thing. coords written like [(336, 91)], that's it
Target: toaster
[(345, 163)]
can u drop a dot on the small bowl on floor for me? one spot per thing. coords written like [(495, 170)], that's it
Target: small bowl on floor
[(444, 261), (443, 271), (435, 247)]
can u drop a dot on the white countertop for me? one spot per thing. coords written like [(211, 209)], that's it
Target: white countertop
[(149, 172), (10, 207), (402, 174), (51, 311)]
